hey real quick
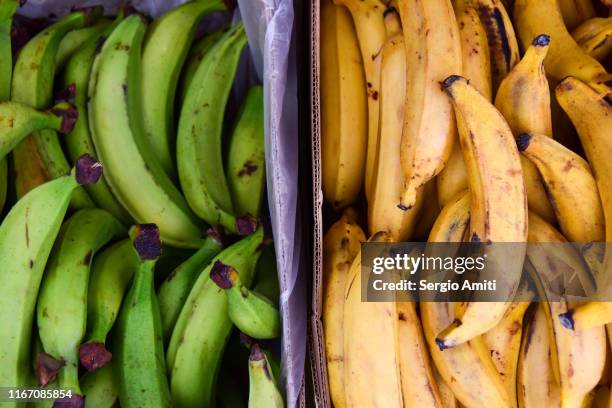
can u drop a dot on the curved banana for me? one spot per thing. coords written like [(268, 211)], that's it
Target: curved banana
[(476, 63), (387, 183), (570, 185), (27, 234), (577, 373), (536, 385), (76, 78), (199, 49), (40, 157), (341, 245), (503, 44), (263, 391), (419, 386), (433, 51), (371, 363), (368, 18), (498, 201), (595, 37), (246, 175), (198, 339), (504, 344), (7, 10), (253, 314), (575, 12), (139, 349), (134, 176), (175, 288), (168, 39), (62, 308), (565, 57), (344, 109), (481, 385), (523, 98), (100, 388), (18, 121), (111, 273), (199, 139), (75, 39)]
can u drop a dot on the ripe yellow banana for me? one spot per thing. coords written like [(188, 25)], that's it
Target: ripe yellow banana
[(570, 186), (370, 28), (388, 180), (419, 387), (575, 12), (503, 44), (565, 57), (477, 69), (371, 358), (595, 37), (467, 368), (340, 247), (524, 99), (536, 384), (578, 356), (498, 201), (433, 51), (343, 107), (504, 343)]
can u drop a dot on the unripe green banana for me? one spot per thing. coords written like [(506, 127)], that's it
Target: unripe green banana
[(263, 392), (111, 273), (252, 314), (197, 53), (40, 157), (199, 140), (18, 121), (75, 39), (62, 301), (203, 327), (115, 119), (139, 350), (168, 40), (76, 80), (26, 236), (100, 387), (174, 290), (7, 10), (266, 275), (246, 173)]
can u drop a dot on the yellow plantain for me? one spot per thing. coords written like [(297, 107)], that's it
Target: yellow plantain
[(570, 186), (371, 358), (575, 12), (536, 384), (343, 107), (340, 247), (477, 69), (419, 387), (504, 344), (524, 99), (498, 202), (433, 51), (502, 41), (595, 37), (467, 368), (370, 27), (565, 57), (387, 183)]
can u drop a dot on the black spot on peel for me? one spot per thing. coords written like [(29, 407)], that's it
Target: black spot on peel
[(87, 258), (523, 141), (31, 263), (124, 87), (147, 242), (247, 169), (401, 317)]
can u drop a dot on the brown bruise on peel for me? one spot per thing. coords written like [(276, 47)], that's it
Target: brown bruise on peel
[(248, 168)]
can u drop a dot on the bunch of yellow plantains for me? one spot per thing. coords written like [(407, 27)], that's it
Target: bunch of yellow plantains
[(467, 120)]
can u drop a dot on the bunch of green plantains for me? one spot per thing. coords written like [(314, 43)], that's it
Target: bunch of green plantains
[(131, 241)]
